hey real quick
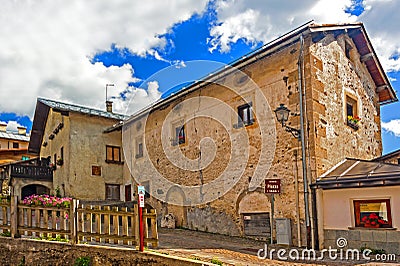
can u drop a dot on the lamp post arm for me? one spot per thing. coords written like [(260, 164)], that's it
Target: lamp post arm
[(295, 132)]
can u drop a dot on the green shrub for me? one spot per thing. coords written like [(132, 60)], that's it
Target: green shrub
[(215, 260), (82, 261)]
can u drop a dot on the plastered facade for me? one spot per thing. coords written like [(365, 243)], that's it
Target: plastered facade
[(84, 145)]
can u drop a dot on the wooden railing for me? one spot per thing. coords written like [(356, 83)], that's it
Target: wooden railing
[(5, 217), (44, 222), (78, 223), (32, 171)]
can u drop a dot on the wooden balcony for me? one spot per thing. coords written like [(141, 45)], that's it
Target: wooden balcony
[(32, 172)]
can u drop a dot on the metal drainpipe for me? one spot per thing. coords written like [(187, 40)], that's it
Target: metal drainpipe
[(303, 146)]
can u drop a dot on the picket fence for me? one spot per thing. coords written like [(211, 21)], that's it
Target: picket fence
[(101, 225)]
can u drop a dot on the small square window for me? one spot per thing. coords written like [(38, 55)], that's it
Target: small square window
[(245, 115), (96, 170), (15, 145), (372, 213)]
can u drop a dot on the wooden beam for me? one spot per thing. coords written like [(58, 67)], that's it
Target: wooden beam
[(381, 88), (366, 57)]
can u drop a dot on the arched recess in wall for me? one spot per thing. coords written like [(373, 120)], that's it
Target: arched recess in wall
[(176, 200), (34, 189), (254, 209), (253, 201)]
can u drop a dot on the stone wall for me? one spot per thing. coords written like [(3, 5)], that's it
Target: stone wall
[(41, 253), (373, 239), (328, 76)]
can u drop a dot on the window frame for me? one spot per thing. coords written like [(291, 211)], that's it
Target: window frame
[(352, 102), (179, 137), (113, 149), (139, 148), (248, 115), (96, 170), (357, 214), (110, 196)]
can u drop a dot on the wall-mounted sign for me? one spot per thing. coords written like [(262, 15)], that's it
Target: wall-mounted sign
[(273, 186)]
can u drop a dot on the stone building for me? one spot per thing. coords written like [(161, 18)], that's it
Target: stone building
[(393, 157), (205, 152), (85, 158)]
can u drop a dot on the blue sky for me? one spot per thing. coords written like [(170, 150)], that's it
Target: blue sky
[(69, 50)]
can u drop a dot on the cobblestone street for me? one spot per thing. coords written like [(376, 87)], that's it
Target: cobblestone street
[(229, 250)]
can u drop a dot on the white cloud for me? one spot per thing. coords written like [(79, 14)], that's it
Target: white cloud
[(381, 19), (254, 20), (47, 45), (12, 126), (138, 98), (392, 126)]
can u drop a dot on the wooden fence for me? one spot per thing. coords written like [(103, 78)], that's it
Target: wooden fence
[(78, 223)]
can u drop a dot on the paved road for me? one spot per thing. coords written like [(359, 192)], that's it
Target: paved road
[(230, 250)]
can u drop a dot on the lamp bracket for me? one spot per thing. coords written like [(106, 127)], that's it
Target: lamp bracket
[(295, 132)]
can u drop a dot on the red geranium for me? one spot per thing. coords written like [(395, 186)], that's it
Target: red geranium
[(373, 219)]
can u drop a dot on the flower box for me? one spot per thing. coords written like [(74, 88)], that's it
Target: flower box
[(352, 121)]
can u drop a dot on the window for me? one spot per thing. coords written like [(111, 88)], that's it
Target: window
[(113, 154), (128, 192), (372, 213), (351, 106), (112, 192), (96, 170), (245, 115), (139, 148), (352, 118), (180, 137), (62, 153), (15, 145), (398, 161)]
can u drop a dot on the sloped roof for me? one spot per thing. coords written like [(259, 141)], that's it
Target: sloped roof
[(355, 30), (359, 173), (13, 136), (393, 154), (80, 109), (41, 113)]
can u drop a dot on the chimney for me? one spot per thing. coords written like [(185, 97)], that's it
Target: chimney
[(109, 106), (3, 127), (22, 131)]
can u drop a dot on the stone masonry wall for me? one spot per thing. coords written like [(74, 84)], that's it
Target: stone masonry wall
[(40, 253), (328, 74)]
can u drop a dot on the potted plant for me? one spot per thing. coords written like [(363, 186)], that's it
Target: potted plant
[(60, 161), (352, 121), (53, 166), (373, 221)]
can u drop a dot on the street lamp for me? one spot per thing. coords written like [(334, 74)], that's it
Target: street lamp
[(282, 115)]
